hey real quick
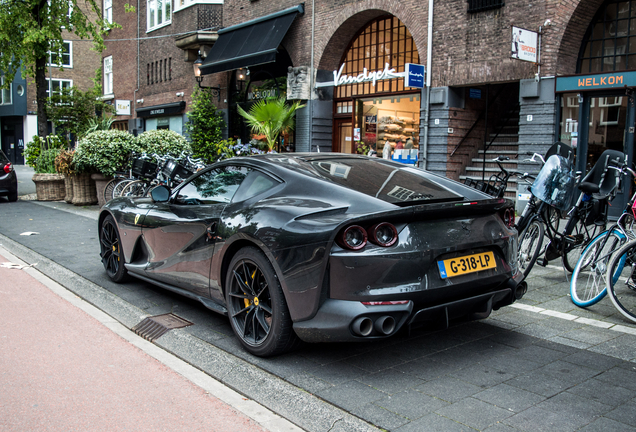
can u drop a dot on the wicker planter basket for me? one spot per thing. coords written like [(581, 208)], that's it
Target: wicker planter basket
[(84, 192), (68, 186), (49, 187)]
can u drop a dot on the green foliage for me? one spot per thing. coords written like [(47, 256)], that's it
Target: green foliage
[(129, 8), (35, 148), (271, 118), (362, 148), (30, 28), (163, 142), (45, 163), (105, 152), (73, 112), (204, 127)]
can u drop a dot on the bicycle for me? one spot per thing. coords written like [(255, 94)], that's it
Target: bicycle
[(620, 283), (588, 285), (554, 186)]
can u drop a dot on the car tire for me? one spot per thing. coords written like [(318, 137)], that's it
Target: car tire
[(111, 250), (13, 197), (256, 305)]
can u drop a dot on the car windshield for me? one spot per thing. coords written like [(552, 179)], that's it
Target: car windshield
[(390, 183), (3, 157)]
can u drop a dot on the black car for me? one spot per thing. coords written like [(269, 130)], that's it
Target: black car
[(319, 247), (8, 179)]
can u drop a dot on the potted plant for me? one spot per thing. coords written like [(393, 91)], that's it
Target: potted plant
[(270, 118), (40, 154), (101, 154), (64, 165)]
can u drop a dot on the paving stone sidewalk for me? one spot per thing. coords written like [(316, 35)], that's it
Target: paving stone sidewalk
[(543, 364)]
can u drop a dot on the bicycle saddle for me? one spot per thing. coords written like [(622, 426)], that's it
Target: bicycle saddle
[(598, 181)]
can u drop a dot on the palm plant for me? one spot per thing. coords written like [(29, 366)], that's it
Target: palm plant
[(271, 118)]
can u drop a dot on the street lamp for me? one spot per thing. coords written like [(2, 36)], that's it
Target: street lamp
[(216, 91)]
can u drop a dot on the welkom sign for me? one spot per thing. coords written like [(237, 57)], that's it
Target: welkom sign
[(414, 76), (600, 81)]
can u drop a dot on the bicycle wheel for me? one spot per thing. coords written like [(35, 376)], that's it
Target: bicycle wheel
[(552, 216), (119, 187), (530, 243), (622, 288), (134, 189), (587, 286), (577, 239), (108, 190)]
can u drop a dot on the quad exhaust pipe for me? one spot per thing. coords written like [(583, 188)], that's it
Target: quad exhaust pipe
[(521, 290), (364, 326)]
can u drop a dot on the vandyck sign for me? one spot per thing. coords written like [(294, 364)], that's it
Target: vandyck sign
[(365, 76)]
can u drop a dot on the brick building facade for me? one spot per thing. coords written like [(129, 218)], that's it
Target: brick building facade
[(482, 102)]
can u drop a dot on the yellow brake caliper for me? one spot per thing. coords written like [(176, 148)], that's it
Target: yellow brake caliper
[(247, 301)]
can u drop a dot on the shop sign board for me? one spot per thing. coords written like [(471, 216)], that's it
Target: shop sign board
[(596, 82), (122, 107), (414, 75), (524, 45), (366, 76)]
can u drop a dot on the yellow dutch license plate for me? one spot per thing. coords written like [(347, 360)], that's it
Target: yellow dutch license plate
[(466, 264)]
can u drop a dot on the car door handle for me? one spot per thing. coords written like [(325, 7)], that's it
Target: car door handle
[(210, 230)]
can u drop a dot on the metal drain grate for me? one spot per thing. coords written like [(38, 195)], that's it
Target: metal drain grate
[(154, 327)]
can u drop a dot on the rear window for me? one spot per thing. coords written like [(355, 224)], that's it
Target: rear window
[(3, 157), (389, 183)]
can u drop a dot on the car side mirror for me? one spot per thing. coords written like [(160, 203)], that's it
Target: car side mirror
[(160, 194)]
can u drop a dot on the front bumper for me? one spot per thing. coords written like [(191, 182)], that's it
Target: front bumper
[(341, 320)]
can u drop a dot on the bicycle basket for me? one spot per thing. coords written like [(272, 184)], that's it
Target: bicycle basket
[(554, 184), (173, 169), (144, 168)]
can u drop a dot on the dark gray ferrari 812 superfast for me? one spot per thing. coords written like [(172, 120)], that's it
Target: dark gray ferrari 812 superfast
[(319, 247)]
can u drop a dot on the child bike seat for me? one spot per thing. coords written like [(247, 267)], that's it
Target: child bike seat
[(600, 181)]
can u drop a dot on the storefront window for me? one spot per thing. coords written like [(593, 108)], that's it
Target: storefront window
[(606, 126), (569, 125), (387, 124)]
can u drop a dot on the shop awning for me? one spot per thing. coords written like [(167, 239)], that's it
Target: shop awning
[(161, 110), (250, 43)]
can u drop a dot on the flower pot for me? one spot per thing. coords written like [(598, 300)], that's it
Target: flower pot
[(100, 184), (49, 187), (68, 186), (84, 191)]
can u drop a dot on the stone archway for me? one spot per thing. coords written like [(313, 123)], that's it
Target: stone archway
[(341, 29), (564, 36)]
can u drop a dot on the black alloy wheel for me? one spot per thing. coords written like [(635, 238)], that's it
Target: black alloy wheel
[(256, 305), (111, 251)]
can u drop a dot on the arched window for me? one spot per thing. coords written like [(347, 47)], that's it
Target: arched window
[(383, 40), (610, 41)]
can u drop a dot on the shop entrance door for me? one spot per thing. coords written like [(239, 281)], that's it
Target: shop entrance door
[(343, 136), (13, 139), (607, 122)]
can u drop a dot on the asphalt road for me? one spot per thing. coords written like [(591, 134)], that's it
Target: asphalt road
[(540, 365)]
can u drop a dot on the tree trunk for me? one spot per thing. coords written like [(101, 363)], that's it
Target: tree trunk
[(40, 92)]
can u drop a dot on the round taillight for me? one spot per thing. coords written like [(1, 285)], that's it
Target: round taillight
[(7, 168), (353, 237), (509, 218), (384, 234)]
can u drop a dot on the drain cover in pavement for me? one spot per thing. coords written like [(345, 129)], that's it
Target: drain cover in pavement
[(153, 327)]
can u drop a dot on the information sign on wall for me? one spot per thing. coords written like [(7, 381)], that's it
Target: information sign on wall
[(524, 45), (122, 107)]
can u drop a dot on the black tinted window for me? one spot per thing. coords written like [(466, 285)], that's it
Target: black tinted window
[(211, 187), (387, 182), (255, 183)]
